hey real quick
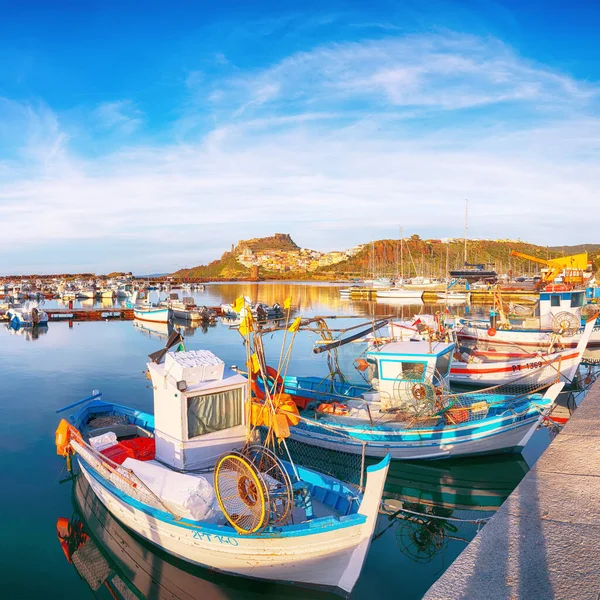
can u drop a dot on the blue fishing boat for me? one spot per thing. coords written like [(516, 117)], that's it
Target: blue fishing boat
[(409, 411), (254, 515)]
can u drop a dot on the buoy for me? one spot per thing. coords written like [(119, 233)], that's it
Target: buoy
[(361, 364), (491, 331)]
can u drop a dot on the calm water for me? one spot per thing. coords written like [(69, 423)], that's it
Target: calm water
[(44, 372)]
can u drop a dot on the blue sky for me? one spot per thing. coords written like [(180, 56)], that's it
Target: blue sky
[(150, 136)]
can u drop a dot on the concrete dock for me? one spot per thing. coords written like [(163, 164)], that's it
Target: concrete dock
[(544, 542)]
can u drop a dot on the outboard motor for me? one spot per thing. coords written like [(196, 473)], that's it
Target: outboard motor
[(35, 316), (261, 313)]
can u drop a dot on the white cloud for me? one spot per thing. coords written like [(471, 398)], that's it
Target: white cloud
[(122, 115), (297, 147)]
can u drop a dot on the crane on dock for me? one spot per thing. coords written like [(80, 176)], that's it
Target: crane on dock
[(572, 268)]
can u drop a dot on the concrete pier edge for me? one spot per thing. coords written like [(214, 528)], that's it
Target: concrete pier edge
[(544, 541)]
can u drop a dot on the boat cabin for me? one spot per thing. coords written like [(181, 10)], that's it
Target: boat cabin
[(198, 409), (552, 303), (414, 360)]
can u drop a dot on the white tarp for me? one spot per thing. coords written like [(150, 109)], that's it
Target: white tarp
[(106, 440), (190, 496)]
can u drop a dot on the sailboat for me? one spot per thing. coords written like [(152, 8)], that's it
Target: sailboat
[(473, 273), (400, 291)]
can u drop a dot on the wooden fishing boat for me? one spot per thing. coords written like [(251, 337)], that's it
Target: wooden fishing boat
[(559, 323), (484, 369), (409, 412), (255, 516), (152, 313)]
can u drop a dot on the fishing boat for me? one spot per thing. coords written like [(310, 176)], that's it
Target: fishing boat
[(253, 516), (152, 313), (408, 412), (485, 368), (558, 323), (187, 310), (405, 406), (400, 292), (244, 305), (109, 556), (29, 314)]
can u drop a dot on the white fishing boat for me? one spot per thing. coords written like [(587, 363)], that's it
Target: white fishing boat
[(400, 292), (29, 314), (152, 313), (557, 324), (408, 411), (488, 368), (255, 516), (88, 293), (187, 310)]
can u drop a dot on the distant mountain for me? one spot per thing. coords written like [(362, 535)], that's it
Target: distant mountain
[(228, 266), (279, 241)]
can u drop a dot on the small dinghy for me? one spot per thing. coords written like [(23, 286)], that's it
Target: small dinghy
[(193, 479)]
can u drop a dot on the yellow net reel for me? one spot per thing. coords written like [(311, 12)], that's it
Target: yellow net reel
[(253, 489), (241, 493)]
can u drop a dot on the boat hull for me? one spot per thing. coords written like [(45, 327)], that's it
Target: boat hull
[(158, 315), (330, 558), (503, 372), (524, 337), (400, 293), (507, 437)]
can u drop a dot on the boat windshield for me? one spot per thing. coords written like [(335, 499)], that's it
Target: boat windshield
[(214, 412), (442, 367)]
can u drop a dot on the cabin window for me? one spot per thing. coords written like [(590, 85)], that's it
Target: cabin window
[(577, 300), (555, 300), (413, 370), (214, 412), (442, 366)]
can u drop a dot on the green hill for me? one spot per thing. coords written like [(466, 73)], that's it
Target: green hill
[(434, 258)]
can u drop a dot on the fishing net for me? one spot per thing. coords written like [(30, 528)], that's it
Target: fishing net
[(345, 466), (122, 478), (108, 421), (512, 395)]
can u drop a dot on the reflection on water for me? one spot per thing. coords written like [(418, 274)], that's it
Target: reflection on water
[(411, 550), (430, 509), (27, 333), (115, 562)]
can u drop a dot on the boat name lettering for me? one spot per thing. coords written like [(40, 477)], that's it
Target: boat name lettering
[(534, 365), (210, 537)]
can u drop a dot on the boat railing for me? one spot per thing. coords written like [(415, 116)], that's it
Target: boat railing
[(121, 477)]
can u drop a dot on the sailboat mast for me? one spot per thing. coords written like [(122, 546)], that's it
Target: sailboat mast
[(466, 228), (401, 256)]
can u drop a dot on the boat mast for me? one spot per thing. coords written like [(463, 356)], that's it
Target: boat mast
[(401, 257), (466, 228)]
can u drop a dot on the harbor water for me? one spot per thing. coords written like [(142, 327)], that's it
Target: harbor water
[(433, 509)]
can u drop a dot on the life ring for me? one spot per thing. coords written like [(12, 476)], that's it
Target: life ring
[(272, 376), (491, 331)]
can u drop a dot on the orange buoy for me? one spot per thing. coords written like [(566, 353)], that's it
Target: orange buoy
[(491, 331), (361, 364)]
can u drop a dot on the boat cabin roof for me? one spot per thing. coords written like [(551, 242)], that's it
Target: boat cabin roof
[(410, 349), (229, 379)]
